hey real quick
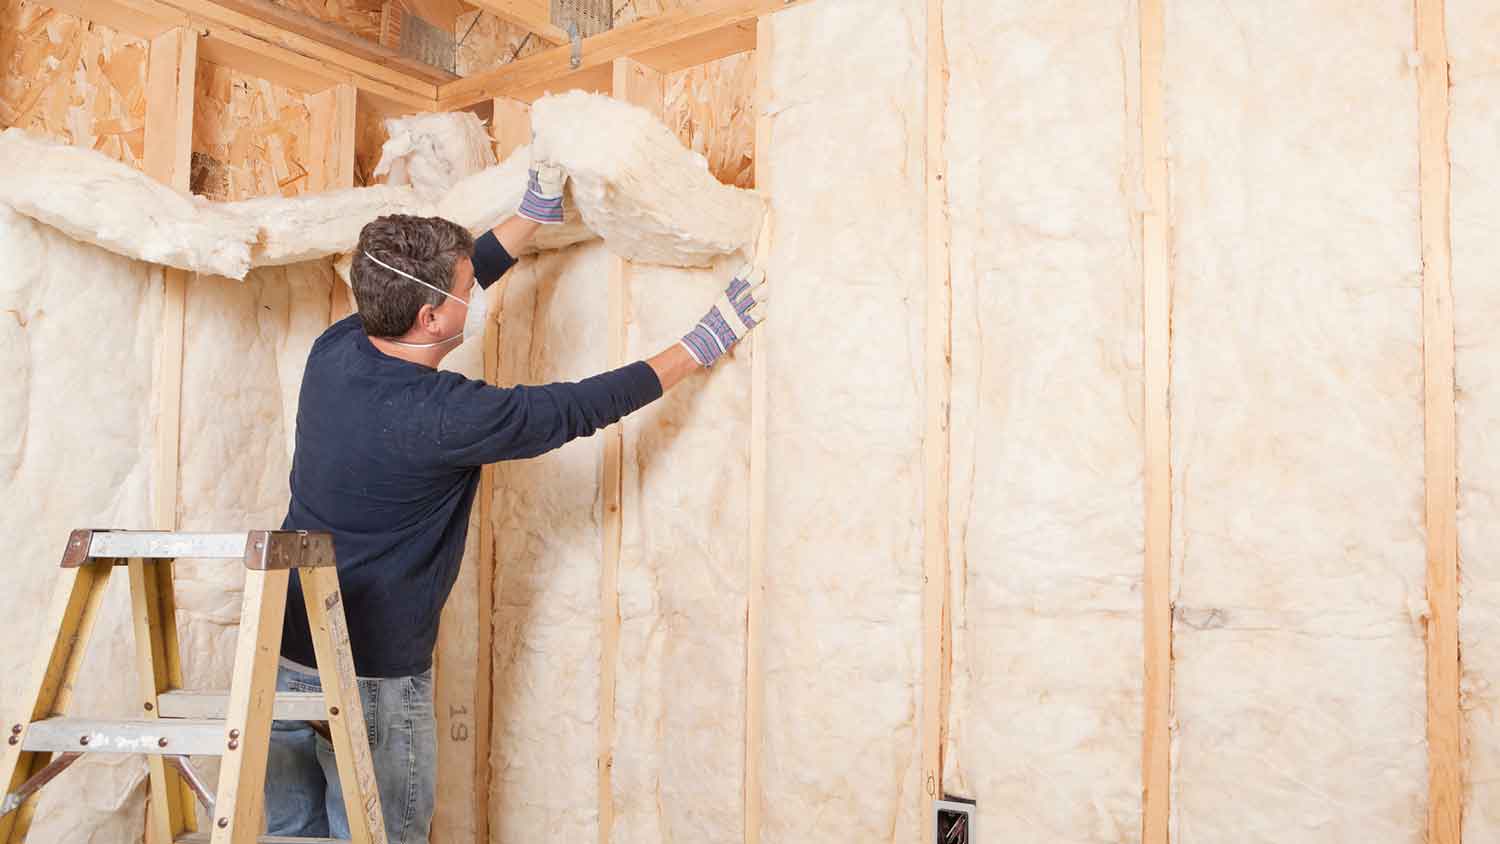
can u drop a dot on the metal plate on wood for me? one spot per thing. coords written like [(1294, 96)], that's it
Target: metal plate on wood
[(77, 552), (272, 550), (81, 735), (166, 545)]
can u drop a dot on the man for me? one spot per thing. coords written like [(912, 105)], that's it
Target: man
[(388, 452)]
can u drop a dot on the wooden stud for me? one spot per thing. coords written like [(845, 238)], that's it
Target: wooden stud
[(1444, 722), (532, 15), (74, 608), (510, 127), (638, 85), (346, 719), (1156, 321), (331, 113), (674, 40), (171, 810), (247, 724), (755, 682), (935, 440)]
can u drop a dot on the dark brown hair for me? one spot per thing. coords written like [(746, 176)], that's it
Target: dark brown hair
[(426, 247)]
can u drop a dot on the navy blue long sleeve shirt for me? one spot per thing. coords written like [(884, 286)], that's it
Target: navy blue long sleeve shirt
[(387, 459)]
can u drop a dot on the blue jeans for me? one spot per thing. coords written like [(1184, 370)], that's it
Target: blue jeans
[(303, 797)]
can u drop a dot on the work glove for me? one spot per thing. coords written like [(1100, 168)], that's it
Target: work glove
[(741, 307), (543, 201)]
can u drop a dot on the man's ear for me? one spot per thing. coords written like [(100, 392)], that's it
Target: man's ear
[(424, 317)]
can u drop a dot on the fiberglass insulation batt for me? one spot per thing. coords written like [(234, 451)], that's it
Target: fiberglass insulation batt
[(75, 452), (1047, 491), (1299, 696), (844, 341), (1474, 138)]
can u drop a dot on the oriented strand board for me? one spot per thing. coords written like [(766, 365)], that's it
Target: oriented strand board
[(488, 42), (680, 688), (543, 781), (75, 451), (1474, 138), (711, 108), (250, 137), (361, 17), (1299, 689), (69, 79), (841, 753), (1046, 490)]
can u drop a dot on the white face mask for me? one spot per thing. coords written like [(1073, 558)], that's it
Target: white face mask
[(459, 336)]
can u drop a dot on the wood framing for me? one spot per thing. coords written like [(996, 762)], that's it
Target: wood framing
[(171, 804), (755, 675), (638, 85), (669, 42), (1157, 327), (262, 49), (532, 15), (1444, 722), (331, 114), (935, 438)]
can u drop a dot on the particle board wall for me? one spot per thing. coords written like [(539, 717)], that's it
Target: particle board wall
[(846, 410), (250, 136), (1047, 458), (711, 107), (67, 78), (1474, 137), (543, 777), (1297, 459)]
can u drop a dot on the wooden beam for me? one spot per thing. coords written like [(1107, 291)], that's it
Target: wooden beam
[(332, 114), (510, 126), (1157, 326), (294, 22), (241, 42), (1444, 723), (532, 15), (935, 439), (755, 675), (669, 42), (638, 85)]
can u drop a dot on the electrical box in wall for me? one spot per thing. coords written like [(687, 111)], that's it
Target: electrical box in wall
[(954, 820)]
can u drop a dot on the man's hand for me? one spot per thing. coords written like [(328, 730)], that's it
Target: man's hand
[(543, 202), (741, 307)]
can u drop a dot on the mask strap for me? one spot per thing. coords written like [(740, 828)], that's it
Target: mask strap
[(431, 287)]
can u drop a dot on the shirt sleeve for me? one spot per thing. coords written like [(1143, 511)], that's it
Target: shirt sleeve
[(486, 424), (490, 259)]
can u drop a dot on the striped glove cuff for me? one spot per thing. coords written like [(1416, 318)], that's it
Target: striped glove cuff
[(538, 205), (740, 308)]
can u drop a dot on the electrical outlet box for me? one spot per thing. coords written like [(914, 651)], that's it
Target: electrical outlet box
[(954, 820)]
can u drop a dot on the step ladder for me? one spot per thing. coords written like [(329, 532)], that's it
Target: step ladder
[(174, 723)]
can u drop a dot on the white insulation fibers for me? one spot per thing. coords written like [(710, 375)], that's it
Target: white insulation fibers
[(1474, 139), (679, 753), (1299, 696), (432, 152), (545, 750), (846, 409), (1047, 496), (75, 452)]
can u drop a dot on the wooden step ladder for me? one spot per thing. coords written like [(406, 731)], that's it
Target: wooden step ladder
[(173, 723)]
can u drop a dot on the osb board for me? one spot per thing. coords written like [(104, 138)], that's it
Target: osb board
[(711, 107), (486, 42), (361, 17), (250, 137), (65, 78)]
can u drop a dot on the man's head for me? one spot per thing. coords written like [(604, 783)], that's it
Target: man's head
[(428, 248)]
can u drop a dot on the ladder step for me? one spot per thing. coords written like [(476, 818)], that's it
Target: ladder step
[(81, 735), (205, 704), (205, 838)]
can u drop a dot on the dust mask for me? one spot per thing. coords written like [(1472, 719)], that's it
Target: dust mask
[(459, 336)]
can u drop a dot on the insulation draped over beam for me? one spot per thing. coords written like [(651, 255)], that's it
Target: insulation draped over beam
[(642, 191)]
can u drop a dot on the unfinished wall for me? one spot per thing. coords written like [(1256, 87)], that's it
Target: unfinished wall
[(1473, 138), (76, 432), (844, 449), (711, 108), (1299, 695), (250, 136), (543, 778), (1047, 534), (69, 79)]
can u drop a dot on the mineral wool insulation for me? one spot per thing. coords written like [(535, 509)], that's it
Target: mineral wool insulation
[(1473, 138), (1298, 693), (246, 343), (1047, 532)]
